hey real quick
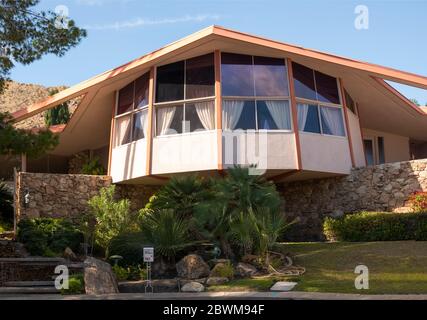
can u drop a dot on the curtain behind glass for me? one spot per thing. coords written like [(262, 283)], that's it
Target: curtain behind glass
[(332, 122), (279, 111), (123, 131), (206, 112), (164, 119), (302, 115), (140, 125), (231, 111)]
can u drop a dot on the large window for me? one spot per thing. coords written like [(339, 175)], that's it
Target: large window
[(184, 96), (318, 102), (255, 93), (131, 112)]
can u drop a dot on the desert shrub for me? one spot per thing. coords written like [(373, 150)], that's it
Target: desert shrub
[(418, 201), (112, 216), (377, 226), (48, 236), (76, 285), (225, 270)]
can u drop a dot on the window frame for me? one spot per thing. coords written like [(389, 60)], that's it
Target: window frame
[(130, 113), (256, 98), (184, 101), (319, 105)]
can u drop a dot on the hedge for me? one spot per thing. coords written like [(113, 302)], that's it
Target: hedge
[(377, 226)]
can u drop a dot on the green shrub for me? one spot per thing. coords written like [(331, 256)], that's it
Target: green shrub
[(120, 272), (6, 206), (112, 216), (48, 236), (418, 201), (224, 270), (132, 273), (129, 246), (377, 226), (76, 285)]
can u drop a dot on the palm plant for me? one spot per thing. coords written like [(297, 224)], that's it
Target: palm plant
[(6, 203), (181, 194), (168, 233)]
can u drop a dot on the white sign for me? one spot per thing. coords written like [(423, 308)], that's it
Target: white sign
[(149, 254)]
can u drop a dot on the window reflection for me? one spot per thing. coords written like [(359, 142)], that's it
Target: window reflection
[(237, 75), (170, 82), (327, 88), (303, 82), (200, 77), (270, 77)]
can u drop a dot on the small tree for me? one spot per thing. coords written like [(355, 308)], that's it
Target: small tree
[(112, 216), (14, 141), (58, 115)]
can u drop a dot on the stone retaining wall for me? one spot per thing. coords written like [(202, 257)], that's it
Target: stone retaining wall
[(376, 188), (66, 195)]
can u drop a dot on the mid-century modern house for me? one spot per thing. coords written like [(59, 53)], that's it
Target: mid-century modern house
[(219, 97)]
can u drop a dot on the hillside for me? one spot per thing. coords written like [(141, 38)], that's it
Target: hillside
[(18, 95)]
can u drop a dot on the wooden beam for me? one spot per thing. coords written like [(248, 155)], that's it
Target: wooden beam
[(112, 130), (284, 175), (361, 134), (294, 112), (149, 138), (23, 162), (218, 107), (344, 106)]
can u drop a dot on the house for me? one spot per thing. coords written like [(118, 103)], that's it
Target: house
[(219, 97)]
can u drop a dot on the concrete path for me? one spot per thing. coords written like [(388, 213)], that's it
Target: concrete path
[(222, 296)]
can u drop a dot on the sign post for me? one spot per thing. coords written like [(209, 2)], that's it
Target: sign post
[(148, 254)]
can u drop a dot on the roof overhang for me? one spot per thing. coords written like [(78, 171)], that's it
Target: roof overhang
[(363, 80)]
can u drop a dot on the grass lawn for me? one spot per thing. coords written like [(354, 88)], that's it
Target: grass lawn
[(394, 267)]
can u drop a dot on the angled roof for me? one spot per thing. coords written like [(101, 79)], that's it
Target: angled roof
[(211, 33)]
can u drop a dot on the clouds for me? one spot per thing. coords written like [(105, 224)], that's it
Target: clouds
[(141, 22)]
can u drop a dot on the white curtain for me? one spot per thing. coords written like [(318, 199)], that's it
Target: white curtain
[(279, 111), (141, 123), (231, 111), (164, 119), (122, 133), (302, 115), (332, 118), (206, 112)]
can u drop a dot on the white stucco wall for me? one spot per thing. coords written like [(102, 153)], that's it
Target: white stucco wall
[(185, 152), (396, 147), (325, 153), (356, 139), (268, 150), (129, 161)]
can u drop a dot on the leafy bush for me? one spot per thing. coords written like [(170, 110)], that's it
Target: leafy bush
[(132, 273), (121, 273), (129, 246), (418, 201), (93, 167), (76, 285), (6, 205), (48, 236), (377, 226), (112, 216)]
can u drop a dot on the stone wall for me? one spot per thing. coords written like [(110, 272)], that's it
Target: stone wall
[(66, 195), (377, 188)]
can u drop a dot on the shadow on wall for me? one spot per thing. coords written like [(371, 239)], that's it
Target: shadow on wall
[(385, 187)]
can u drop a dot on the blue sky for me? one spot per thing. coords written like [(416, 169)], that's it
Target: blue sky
[(122, 30)]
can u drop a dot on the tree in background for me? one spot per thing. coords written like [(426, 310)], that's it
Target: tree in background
[(415, 101), (14, 141), (58, 115), (26, 35)]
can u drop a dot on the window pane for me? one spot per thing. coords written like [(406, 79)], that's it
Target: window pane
[(303, 81), (273, 115), (237, 75), (125, 103), (270, 77), (169, 120), (332, 121), (308, 118), (140, 125), (123, 130), (200, 116), (369, 151), (327, 88), (247, 117), (350, 102), (170, 82), (141, 91), (200, 77)]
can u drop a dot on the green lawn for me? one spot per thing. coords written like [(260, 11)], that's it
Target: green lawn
[(394, 267)]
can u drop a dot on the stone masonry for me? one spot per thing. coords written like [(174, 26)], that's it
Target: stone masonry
[(376, 188), (66, 195)]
